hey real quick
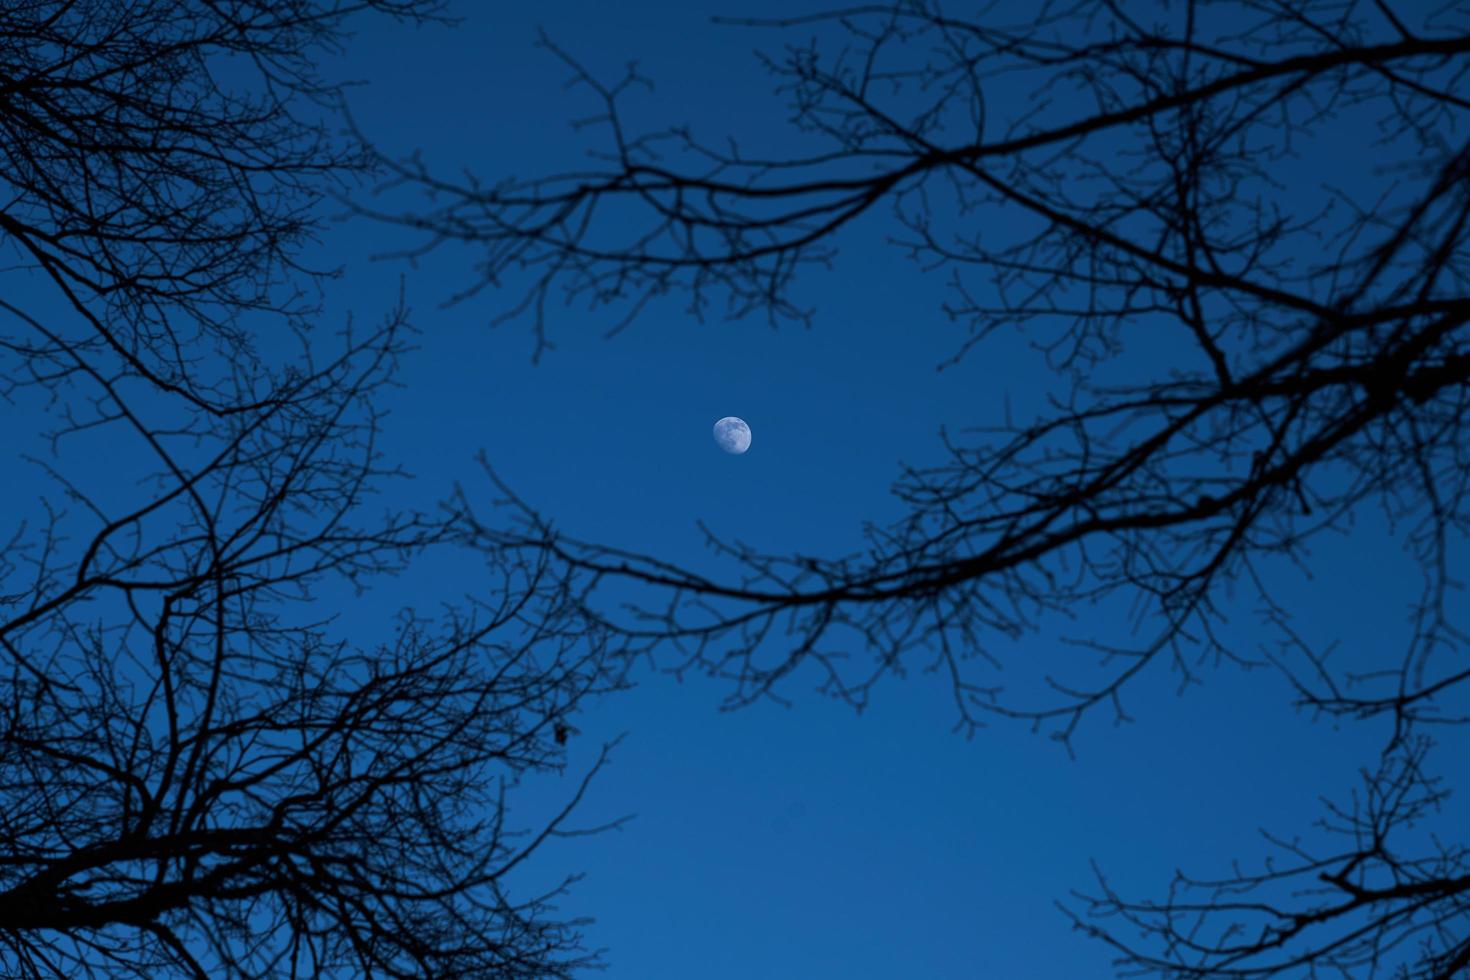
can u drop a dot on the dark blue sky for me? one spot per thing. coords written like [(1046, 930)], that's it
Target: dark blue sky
[(806, 841), (800, 842)]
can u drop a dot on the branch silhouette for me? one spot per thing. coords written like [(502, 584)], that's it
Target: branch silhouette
[(1322, 370), (206, 768)]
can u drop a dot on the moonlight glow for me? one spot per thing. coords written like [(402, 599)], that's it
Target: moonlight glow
[(732, 435)]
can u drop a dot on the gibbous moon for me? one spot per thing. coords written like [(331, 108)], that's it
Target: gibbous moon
[(732, 435)]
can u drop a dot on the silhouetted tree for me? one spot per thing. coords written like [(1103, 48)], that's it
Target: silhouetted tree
[(1156, 195), (201, 773)]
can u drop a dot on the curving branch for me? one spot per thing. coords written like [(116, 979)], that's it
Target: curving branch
[(1322, 365)]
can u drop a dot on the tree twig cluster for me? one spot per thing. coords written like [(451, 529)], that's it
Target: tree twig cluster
[(1305, 357), (206, 769)]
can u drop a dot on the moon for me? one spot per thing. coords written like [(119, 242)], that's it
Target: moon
[(732, 435)]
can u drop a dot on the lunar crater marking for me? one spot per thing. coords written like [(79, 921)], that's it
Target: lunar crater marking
[(732, 435)]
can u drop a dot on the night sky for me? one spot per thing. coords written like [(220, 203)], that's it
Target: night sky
[(806, 840)]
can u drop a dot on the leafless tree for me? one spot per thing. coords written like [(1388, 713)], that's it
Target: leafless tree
[(1158, 190), (206, 769), (162, 160)]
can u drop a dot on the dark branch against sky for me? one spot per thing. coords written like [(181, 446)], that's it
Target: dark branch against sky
[(1187, 495)]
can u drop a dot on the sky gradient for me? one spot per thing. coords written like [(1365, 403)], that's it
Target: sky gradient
[(796, 841), (804, 841)]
